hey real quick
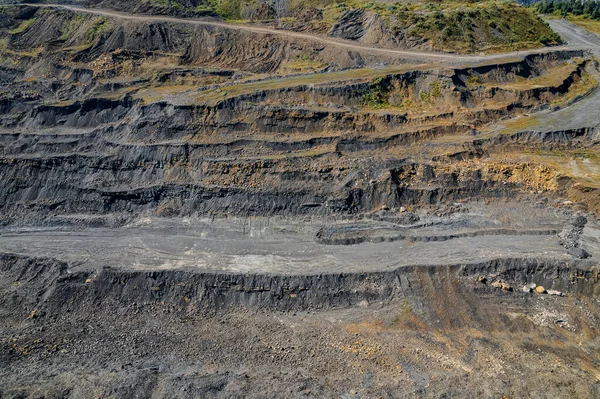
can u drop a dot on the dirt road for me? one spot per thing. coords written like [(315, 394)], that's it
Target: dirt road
[(450, 59)]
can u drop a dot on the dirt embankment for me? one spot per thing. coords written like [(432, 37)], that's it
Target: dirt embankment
[(60, 34), (417, 330), (51, 288)]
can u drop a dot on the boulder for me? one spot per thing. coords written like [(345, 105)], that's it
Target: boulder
[(580, 221), (505, 286), (540, 290), (579, 253), (502, 284)]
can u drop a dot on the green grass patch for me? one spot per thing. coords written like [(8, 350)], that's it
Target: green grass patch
[(23, 27), (378, 96), (99, 26), (593, 25)]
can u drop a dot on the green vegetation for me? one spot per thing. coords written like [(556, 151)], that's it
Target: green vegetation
[(434, 92), (469, 29), (586, 9), (23, 27), (386, 93), (585, 14), (593, 25), (171, 4), (99, 26), (231, 9), (448, 25), (378, 96)]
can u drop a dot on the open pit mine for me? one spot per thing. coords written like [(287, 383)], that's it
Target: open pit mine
[(284, 200)]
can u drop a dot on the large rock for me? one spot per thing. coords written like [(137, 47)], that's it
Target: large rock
[(579, 253), (540, 290), (579, 222)]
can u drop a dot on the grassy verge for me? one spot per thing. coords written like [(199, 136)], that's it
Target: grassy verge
[(593, 25), (216, 95)]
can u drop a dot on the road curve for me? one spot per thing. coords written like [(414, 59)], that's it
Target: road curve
[(584, 113), (575, 35), (429, 56)]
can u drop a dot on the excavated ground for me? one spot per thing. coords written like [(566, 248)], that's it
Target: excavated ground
[(308, 245), (178, 222)]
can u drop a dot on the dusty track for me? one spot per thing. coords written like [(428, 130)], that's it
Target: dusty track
[(449, 59)]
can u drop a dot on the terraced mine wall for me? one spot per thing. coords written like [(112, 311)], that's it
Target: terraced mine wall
[(303, 109), (243, 156), (45, 285)]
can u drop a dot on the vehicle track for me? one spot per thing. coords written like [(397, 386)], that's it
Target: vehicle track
[(449, 59)]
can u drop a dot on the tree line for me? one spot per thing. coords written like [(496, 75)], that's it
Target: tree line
[(586, 8)]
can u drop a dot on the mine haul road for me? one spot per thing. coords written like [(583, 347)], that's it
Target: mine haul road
[(444, 58)]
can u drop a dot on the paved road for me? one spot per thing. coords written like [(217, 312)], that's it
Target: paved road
[(429, 56)]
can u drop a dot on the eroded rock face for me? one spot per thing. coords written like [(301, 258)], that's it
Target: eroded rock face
[(74, 291), (360, 25), (301, 149)]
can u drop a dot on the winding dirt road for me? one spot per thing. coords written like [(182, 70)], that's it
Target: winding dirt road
[(583, 113), (450, 59)]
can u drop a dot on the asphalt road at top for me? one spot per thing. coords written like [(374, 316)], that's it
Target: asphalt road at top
[(353, 46)]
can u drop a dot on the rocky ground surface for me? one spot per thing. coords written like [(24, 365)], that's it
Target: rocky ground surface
[(447, 333), (194, 209), (312, 245)]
